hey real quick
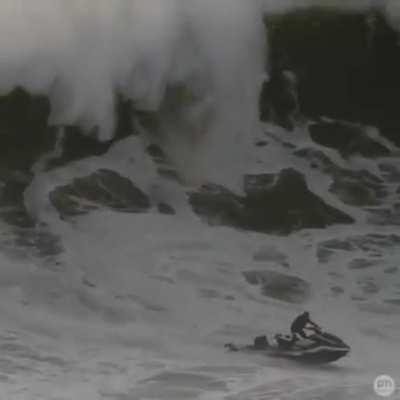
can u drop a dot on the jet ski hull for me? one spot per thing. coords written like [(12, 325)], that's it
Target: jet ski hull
[(319, 356), (324, 349)]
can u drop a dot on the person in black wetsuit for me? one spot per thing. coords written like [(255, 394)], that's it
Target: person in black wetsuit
[(300, 323)]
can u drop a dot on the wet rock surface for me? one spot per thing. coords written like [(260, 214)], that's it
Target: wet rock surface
[(279, 286), (103, 188), (278, 99), (347, 138), (166, 209), (347, 63), (24, 131), (362, 263), (356, 188), (279, 204)]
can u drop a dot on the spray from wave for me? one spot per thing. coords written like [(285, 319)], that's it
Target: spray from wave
[(82, 54), (199, 64)]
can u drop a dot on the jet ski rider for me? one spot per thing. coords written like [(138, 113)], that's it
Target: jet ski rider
[(300, 323)]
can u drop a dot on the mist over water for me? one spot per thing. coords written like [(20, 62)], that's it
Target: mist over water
[(83, 53)]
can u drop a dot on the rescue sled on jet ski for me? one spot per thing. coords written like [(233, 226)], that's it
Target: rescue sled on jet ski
[(318, 348)]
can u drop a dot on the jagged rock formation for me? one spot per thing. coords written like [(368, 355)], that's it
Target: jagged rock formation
[(103, 188), (280, 204)]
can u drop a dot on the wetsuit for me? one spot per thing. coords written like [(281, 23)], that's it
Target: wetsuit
[(300, 323)]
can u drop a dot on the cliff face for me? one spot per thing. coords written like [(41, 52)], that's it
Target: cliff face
[(347, 64)]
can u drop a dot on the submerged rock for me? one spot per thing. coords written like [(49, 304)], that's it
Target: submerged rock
[(347, 138), (103, 188), (272, 203), (166, 209), (373, 245), (362, 263), (271, 254), (279, 286)]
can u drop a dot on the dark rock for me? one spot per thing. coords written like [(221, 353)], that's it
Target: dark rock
[(390, 172), (373, 245), (279, 286), (12, 207), (78, 144), (218, 205), (356, 188), (347, 138), (362, 263), (347, 63), (323, 254), (278, 99), (24, 132), (166, 209), (356, 194), (286, 205), (157, 153), (337, 290), (103, 188), (261, 343), (261, 143), (280, 204), (255, 185)]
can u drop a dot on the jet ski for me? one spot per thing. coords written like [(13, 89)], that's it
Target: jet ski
[(318, 348)]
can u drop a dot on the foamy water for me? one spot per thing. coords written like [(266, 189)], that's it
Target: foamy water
[(139, 306)]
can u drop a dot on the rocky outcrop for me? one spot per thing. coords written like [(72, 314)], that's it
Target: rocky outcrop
[(278, 99), (279, 204), (279, 286), (77, 144), (346, 62), (355, 188), (347, 138), (24, 132), (103, 188)]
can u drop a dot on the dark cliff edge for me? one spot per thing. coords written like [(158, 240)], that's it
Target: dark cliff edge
[(346, 64)]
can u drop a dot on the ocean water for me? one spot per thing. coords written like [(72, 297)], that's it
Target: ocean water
[(121, 305)]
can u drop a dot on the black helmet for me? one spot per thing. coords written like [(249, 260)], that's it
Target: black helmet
[(306, 314)]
